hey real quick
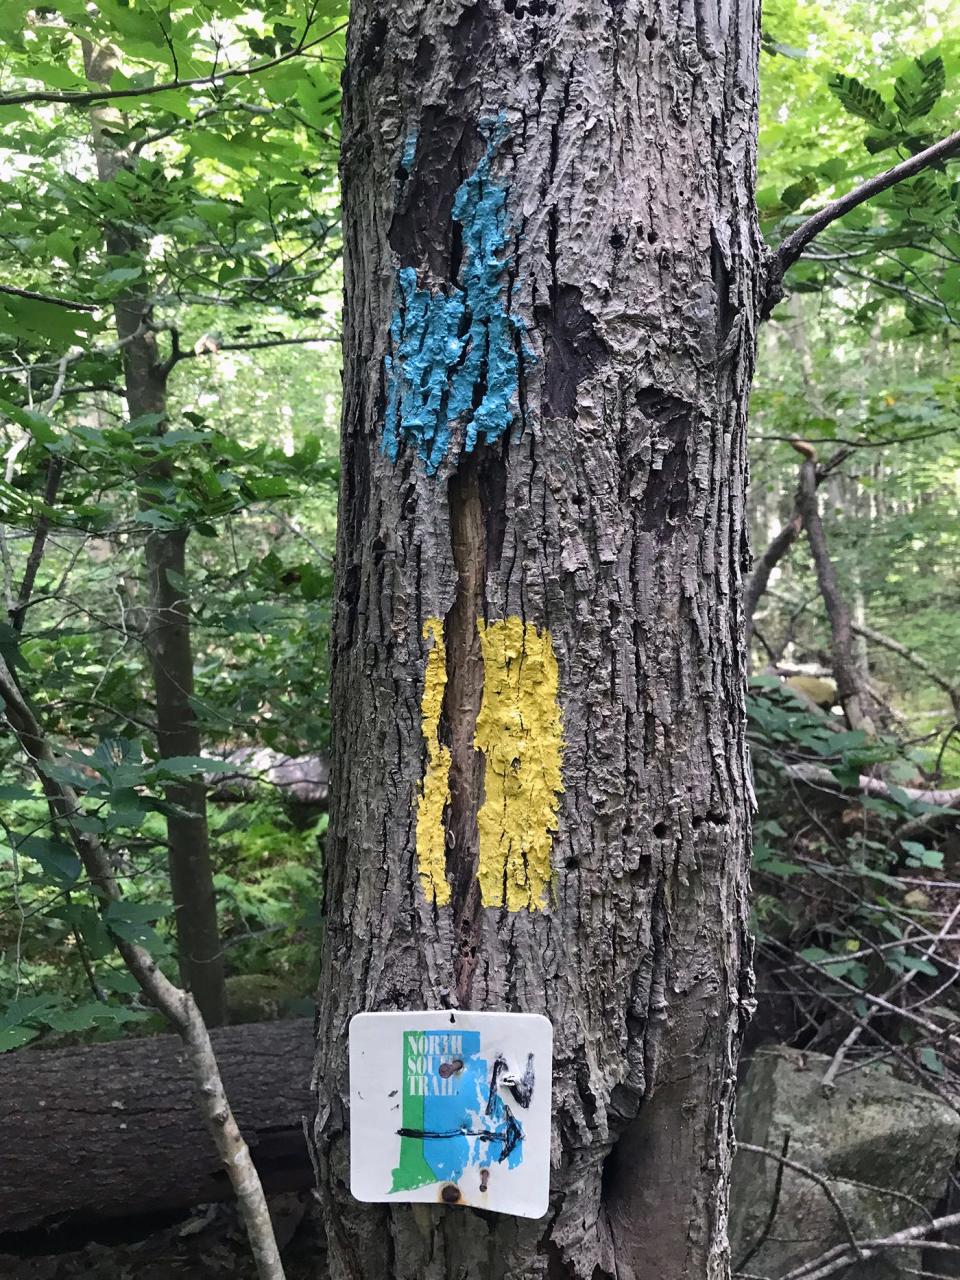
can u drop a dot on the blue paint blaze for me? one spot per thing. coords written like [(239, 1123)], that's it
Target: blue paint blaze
[(454, 357), (409, 150)]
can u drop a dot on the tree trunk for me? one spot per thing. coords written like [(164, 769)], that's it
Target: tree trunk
[(552, 269), (851, 693), (167, 635), (127, 1115)]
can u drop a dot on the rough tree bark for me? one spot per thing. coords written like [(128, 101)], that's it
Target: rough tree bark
[(552, 278), (167, 636)]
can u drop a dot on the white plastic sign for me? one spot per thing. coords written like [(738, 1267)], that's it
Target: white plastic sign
[(452, 1107)]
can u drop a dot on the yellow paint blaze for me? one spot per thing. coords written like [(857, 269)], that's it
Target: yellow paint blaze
[(520, 731), (431, 835)]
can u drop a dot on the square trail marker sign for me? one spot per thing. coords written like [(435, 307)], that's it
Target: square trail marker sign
[(452, 1107)]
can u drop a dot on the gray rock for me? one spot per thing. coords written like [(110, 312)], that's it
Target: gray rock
[(886, 1147)]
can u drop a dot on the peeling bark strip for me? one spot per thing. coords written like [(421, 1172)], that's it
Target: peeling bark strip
[(519, 732), (602, 504)]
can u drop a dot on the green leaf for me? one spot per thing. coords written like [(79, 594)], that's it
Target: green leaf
[(126, 912), (79, 1019), (922, 199), (146, 422), (120, 1014), (870, 874), (834, 169), (45, 319), (931, 1060), (120, 982), (86, 920), (121, 275), (835, 966), (37, 424), (900, 797), (57, 859), (950, 285), (777, 867), (877, 142), (918, 90), (55, 75), (799, 192), (67, 773), (862, 101), (14, 1037), (261, 487), (918, 964), (92, 1013), (15, 791), (142, 935)]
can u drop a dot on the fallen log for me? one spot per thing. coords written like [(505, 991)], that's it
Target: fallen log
[(301, 780), (818, 775), (106, 1131)]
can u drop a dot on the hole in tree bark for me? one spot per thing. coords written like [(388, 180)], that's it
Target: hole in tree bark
[(423, 63), (573, 349), (370, 57), (667, 493)]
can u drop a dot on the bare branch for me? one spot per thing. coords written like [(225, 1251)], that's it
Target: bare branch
[(805, 1172), (865, 442), (793, 246), (86, 98), (19, 611), (902, 981), (951, 689), (212, 348), (14, 292), (765, 565), (839, 1258), (760, 577), (764, 1235), (819, 776), (850, 689)]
